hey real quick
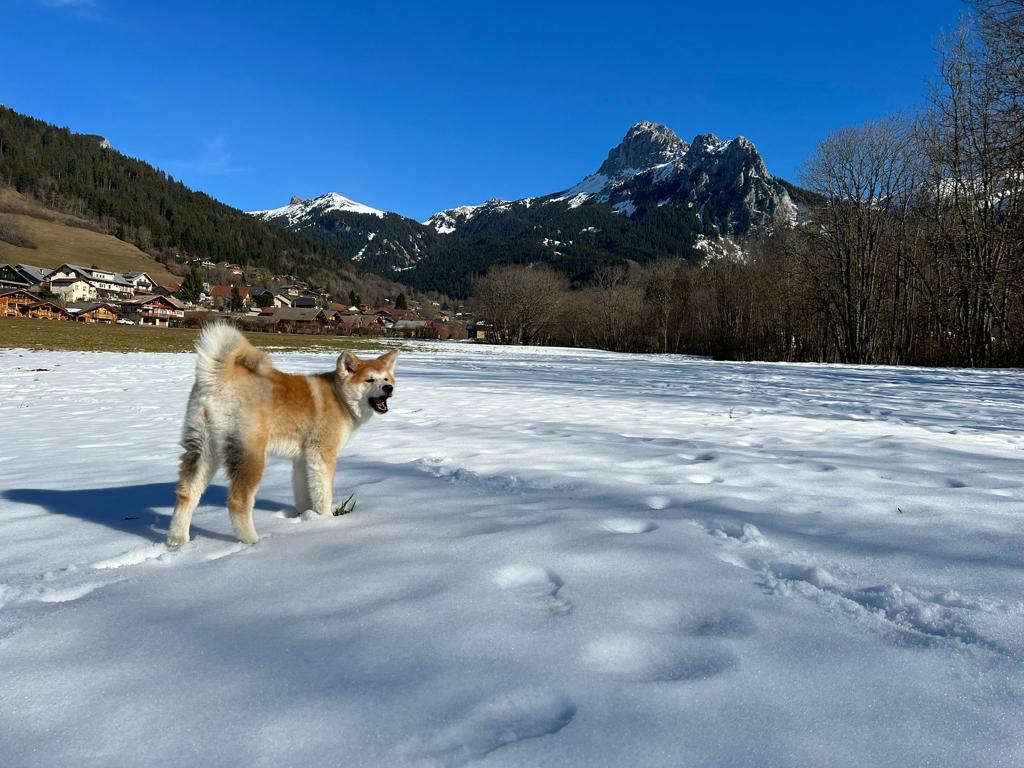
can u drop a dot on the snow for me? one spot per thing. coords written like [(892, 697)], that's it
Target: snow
[(628, 207), (332, 201), (447, 221), (558, 557)]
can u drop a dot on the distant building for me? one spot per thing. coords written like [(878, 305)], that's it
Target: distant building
[(105, 281), (156, 311), (93, 312), (71, 289), (13, 302)]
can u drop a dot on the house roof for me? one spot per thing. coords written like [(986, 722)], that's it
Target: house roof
[(58, 307), (25, 291), (139, 301), (295, 314), (89, 274), (224, 291), (81, 307), (34, 273)]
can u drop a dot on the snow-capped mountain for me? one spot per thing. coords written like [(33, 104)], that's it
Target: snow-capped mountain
[(654, 195), (646, 146), (299, 211)]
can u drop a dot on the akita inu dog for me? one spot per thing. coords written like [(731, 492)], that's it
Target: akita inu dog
[(242, 408)]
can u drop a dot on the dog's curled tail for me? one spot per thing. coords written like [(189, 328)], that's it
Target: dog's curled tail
[(220, 348)]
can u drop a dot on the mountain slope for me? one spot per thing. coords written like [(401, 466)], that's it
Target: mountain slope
[(141, 205), (655, 195), (51, 239)]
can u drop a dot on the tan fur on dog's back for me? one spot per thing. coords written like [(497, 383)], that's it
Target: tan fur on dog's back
[(242, 407)]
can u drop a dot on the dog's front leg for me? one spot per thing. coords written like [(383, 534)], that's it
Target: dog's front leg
[(320, 472)]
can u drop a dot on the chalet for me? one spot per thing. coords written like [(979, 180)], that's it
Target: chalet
[(13, 302), (141, 282), (105, 281), (221, 294), (156, 311), (412, 328), (46, 310), (71, 289), (12, 278), (21, 275), (93, 312), (280, 300), (291, 320), (304, 302)]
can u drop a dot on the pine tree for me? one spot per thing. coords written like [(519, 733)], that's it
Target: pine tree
[(400, 302), (191, 287), (237, 305)]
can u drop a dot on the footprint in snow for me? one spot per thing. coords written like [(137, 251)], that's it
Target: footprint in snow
[(491, 725), (627, 525), (746, 533), (533, 585), (640, 658)]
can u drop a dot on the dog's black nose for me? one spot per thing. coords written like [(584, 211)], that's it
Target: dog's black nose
[(388, 389)]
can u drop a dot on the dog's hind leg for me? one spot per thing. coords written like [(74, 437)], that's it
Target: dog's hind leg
[(244, 465), (198, 466), (300, 485)]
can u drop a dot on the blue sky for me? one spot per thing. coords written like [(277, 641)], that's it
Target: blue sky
[(414, 107)]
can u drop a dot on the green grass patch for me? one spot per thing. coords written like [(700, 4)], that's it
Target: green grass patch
[(24, 333)]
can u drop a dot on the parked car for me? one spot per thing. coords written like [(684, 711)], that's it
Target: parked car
[(125, 321)]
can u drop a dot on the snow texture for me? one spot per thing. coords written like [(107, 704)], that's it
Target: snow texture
[(558, 558)]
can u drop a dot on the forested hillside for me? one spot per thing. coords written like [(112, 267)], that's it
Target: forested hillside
[(142, 205)]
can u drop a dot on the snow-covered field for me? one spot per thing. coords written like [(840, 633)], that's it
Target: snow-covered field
[(558, 558)]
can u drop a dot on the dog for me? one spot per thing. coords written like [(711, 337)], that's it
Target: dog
[(241, 408)]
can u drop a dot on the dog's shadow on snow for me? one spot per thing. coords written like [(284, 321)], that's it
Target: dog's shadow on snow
[(128, 508)]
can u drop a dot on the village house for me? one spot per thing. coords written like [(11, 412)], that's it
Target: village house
[(21, 275), (221, 294), (93, 312), (304, 302), (71, 289), (291, 320), (13, 302), (141, 281), (46, 310), (412, 328), (105, 281), (155, 311), (280, 300)]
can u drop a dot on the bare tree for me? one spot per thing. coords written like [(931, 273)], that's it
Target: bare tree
[(976, 182), (520, 303), (866, 176)]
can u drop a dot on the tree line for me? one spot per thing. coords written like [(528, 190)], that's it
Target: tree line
[(912, 251)]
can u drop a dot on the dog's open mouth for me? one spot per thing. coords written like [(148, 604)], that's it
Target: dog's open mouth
[(379, 404)]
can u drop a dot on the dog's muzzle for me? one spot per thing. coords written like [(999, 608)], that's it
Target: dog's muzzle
[(379, 404)]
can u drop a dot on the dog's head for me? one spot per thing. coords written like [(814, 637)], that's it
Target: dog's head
[(367, 384)]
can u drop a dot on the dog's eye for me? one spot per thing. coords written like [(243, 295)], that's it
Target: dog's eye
[(370, 381)]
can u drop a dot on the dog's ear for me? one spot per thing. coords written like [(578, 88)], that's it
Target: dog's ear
[(347, 363), (388, 358)]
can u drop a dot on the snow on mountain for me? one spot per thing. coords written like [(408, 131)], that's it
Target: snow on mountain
[(298, 210), (447, 221), (644, 147)]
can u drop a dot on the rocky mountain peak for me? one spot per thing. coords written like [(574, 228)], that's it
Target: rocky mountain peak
[(296, 200), (644, 146)]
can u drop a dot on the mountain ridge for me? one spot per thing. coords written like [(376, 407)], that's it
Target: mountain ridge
[(654, 195)]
